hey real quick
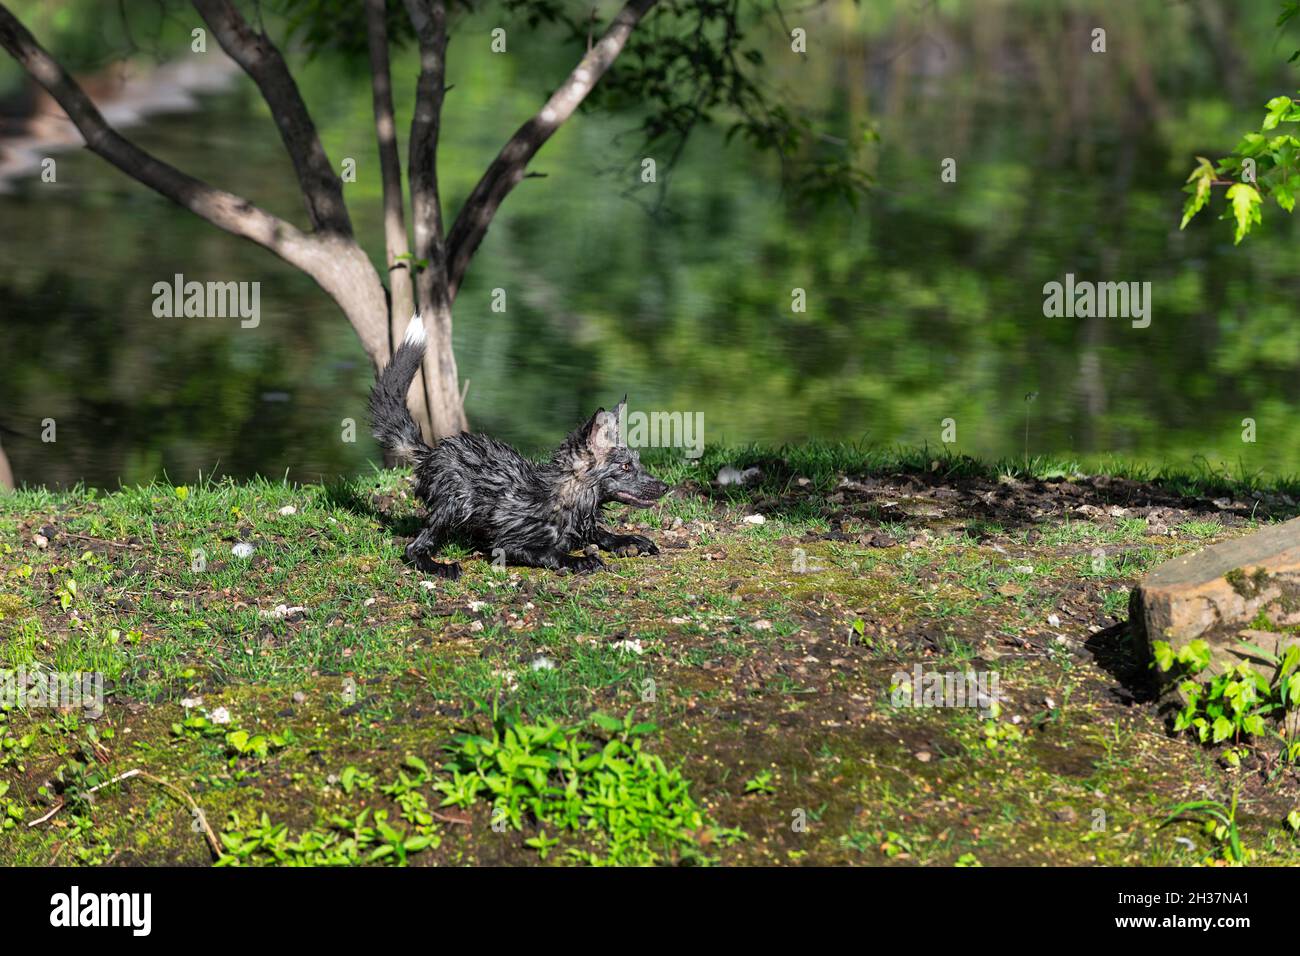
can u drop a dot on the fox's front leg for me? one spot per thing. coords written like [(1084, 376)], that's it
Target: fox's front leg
[(552, 558), (624, 545)]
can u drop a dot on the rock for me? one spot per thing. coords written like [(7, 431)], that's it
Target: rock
[(727, 475), (1244, 589), (283, 612)]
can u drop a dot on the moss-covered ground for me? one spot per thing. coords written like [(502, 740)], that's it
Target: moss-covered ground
[(767, 654)]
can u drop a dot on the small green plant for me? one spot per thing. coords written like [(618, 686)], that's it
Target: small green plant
[(1236, 702), (11, 813), (13, 748), (353, 779), (625, 803), (196, 726), (1219, 823), (345, 840), (242, 744), (1001, 734), (761, 782), (895, 845)]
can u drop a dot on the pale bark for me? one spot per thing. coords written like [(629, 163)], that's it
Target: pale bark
[(337, 264), (400, 285), (442, 382), (6, 473), (329, 254)]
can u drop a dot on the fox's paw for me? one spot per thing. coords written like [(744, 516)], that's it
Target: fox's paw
[(631, 545), (583, 564), (424, 562)]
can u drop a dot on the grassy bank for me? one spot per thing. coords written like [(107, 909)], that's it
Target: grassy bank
[(728, 700)]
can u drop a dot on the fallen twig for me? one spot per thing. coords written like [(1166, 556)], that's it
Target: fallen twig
[(213, 842), (87, 537)]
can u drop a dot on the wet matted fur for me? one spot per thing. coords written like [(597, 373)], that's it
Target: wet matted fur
[(483, 491)]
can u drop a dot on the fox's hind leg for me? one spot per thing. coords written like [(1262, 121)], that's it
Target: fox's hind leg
[(420, 553)]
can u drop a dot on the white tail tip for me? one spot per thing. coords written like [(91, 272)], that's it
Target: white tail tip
[(415, 331)]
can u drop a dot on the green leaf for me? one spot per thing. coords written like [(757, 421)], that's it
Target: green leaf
[(1222, 729), (1278, 107), (1263, 655), (1245, 200)]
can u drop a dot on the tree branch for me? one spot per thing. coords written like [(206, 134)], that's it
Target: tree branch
[(507, 169), (226, 210), (429, 18), (442, 391), (257, 55), (390, 168), (336, 263)]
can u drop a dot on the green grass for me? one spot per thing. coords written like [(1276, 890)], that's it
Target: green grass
[(762, 653)]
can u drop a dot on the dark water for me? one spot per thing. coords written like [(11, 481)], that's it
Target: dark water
[(924, 304)]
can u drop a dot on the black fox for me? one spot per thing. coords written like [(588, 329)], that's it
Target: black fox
[(482, 490)]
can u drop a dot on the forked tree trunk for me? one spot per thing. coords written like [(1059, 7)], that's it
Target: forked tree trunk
[(329, 253)]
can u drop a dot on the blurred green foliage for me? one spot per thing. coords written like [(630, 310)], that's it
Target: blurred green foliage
[(924, 302)]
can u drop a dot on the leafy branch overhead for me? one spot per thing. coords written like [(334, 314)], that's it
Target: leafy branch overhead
[(1262, 166), (691, 63)]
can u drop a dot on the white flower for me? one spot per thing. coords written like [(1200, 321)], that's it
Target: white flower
[(220, 716), (242, 550)]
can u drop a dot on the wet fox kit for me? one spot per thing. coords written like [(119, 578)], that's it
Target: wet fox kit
[(478, 489)]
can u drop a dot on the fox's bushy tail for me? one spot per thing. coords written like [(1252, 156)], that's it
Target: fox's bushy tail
[(392, 423)]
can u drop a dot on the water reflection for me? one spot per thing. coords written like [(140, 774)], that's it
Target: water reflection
[(924, 305)]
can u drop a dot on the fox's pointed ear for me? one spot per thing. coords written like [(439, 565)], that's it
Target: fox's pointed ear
[(602, 432)]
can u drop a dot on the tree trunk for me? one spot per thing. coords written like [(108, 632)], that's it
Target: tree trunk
[(441, 378), (6, 473), (442, 388), (401, 286)]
